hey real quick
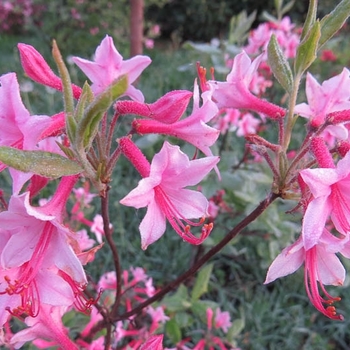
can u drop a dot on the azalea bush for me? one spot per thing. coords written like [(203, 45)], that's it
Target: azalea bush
[(60, 164)]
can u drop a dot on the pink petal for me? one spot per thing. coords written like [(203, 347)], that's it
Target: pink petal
[(287, 262), (152, 226)]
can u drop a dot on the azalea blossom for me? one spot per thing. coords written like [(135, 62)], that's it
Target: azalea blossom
[(321, 266), (162, 191), (333, 95), (235, 93), (46, 329), (286, 34), (329, 186), (154, 342), (193, 129), (222, 320), (108, 66), (37, 262)]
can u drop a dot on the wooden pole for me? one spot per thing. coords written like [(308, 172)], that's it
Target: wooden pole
[(136, 27)]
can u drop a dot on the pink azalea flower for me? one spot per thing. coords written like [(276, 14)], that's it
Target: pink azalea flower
[(97, 227), (328, 55), (108, 66), (37, 263), (192, 129), (234, 93), (139, 274), (333, 95), (48, 325), (158, 316), (162, 191), (247, 124), (322, 266), (222, 320), (108, 281), (329, 186), (37, 69), (154, 342)]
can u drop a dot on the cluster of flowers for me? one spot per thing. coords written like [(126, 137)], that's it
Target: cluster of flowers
[(41, 258), (243, 122), (14, 15)]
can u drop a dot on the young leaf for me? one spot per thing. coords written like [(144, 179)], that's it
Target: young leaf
[(332, 22), (173, 331), (42, 163), (310, 18), (306, 52), (87, 126), (279, 64), (287, 7), (66, 82), (202, 281)]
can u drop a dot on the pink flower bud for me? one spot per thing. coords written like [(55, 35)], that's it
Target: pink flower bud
[(37, 69), (168, 109)]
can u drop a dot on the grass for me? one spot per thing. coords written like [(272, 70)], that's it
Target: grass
[(276, 316)]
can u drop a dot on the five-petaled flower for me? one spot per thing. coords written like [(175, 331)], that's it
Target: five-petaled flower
[(108, 66), (162, 191)]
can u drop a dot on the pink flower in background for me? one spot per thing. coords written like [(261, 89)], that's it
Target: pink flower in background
[(328, 55), (108, 66), (164, 195), (149, 43), (333, 95), (222, 320), (154, 342), (47, 325), (158, 316), (247, 124), (286, 34), (234, 93)]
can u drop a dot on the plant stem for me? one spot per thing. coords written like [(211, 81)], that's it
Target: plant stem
[(108, 234), (232, 234)]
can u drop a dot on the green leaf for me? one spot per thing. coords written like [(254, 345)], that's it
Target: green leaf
[(71, 126), (240, 26), (202, 281), (66, 81), (235, 329), (173, 331), (287, 7), (310, 18), (332, 22), (88, 125), (306, 51), (279, 64), (85, 97), (205, 48), (42, 163), (178, 301)]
